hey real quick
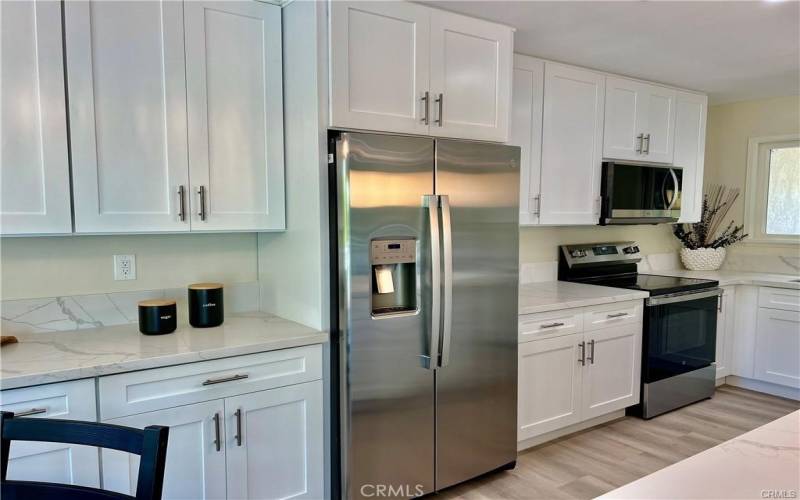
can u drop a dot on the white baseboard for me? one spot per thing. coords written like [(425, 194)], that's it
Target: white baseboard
[(766, 387), (549, 436), (720, 381)]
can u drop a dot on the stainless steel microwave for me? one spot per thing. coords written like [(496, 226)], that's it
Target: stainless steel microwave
[(640, 194)]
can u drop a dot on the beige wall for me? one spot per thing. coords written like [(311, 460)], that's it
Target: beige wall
[(74, 265)]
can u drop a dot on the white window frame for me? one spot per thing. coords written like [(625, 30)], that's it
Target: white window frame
[(755, 210)]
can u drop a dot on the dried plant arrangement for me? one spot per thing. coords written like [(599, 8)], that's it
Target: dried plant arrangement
[(717, 202)]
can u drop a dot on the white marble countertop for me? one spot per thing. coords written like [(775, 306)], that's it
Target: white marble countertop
[(554, 295), (738, 277), (41, 358), (759, 464)]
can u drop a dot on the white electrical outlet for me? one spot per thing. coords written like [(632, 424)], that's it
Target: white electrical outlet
[(124, 267)]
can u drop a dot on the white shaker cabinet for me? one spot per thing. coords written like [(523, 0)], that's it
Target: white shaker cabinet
[(471, 72), (235, 115), (127, 100), (526, 132), (613, 369), (777, 339), (195, 464), (407, 68), (380, 62), (54, 462), (34, 169), (572, 136), (690, 149), (639, 121), (726, 326)]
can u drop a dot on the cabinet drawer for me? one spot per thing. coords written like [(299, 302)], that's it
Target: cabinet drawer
[(550, 324), (148, 390), (608, 315), (785, 299), (69, 400)]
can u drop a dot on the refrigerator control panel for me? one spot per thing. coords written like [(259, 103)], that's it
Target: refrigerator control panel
[(393, 251)]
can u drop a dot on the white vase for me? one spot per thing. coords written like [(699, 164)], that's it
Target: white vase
[(703, 259)]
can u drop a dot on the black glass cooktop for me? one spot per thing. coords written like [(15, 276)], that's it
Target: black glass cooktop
[(653, 283)]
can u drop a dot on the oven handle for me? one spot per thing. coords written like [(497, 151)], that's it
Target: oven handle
[(682, 297)]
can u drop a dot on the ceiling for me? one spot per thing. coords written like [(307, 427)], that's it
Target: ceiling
[(733, 51)]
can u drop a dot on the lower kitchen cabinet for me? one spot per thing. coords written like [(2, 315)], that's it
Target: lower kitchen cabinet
[(195, 466), (777, 357), (613, 370), (266, 444), (726, 323)]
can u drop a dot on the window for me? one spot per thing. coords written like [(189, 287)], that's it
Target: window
[(772, 213)]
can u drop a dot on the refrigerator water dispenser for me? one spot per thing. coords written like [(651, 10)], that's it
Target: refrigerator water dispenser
[(394, 276)]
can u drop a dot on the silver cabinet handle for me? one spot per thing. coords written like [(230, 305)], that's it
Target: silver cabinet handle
[(440, 119), (591, 352), (536, 201), (432, 202), (639, 143), (552, 325), (217, 441), (719, 299), (582, 359), (447, 261), (616, 315), (646, 144), (182, 203), (32, 411), (213, 381), (202, 192), (427, 100), (238, 436)]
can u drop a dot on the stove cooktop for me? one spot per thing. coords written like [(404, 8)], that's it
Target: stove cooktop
[(653, 283)]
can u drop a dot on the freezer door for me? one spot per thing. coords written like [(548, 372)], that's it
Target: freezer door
[(387, 383), (476, 386)]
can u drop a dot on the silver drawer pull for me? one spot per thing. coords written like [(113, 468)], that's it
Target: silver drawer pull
[(213, 381), (616, 315), (32, 411), (552, 325)]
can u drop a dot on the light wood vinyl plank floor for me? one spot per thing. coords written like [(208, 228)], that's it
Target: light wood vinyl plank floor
[(598, 460)]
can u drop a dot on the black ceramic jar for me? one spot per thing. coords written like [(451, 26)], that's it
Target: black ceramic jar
[(157, 317), (205, 305)]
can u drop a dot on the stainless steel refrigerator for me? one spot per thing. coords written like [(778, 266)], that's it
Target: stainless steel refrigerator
[(424, 282)]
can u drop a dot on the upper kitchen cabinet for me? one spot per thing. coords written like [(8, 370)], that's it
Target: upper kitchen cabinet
[(403, 67), (526, 132), (235, 114), (34, 167), (639, 121), (127, 101), (690, 148), (572, 137)]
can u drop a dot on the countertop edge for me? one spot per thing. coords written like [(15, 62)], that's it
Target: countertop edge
[(573, 304)]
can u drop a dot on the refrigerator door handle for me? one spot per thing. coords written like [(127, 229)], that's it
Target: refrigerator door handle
[(431, 360), (447, 263)]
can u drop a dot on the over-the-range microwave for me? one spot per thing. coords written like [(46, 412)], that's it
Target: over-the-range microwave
[(639, 194)]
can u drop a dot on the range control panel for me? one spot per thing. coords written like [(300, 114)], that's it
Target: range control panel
[(393, 251), (588, 253)]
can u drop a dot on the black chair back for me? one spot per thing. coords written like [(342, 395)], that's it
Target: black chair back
[(150, 444)]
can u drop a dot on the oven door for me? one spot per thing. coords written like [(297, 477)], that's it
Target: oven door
[(680, 333), (636, 194)]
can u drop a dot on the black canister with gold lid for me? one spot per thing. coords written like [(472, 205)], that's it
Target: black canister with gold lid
[(157, 316), (205, 305)]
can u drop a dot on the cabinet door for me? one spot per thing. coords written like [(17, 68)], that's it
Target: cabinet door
[(53, 462), (777, 358), (725, 329), (379, 67), (34, 192), (625, 110), (613, 370), (526, 132), (690, 150), (549, 385), (572, 136), (235, 96), (659, 124), (471, 72), (127, 101), (274, 443), (195, 468)]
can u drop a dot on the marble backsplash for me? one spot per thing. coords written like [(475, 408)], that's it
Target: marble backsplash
[(76, 312)]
